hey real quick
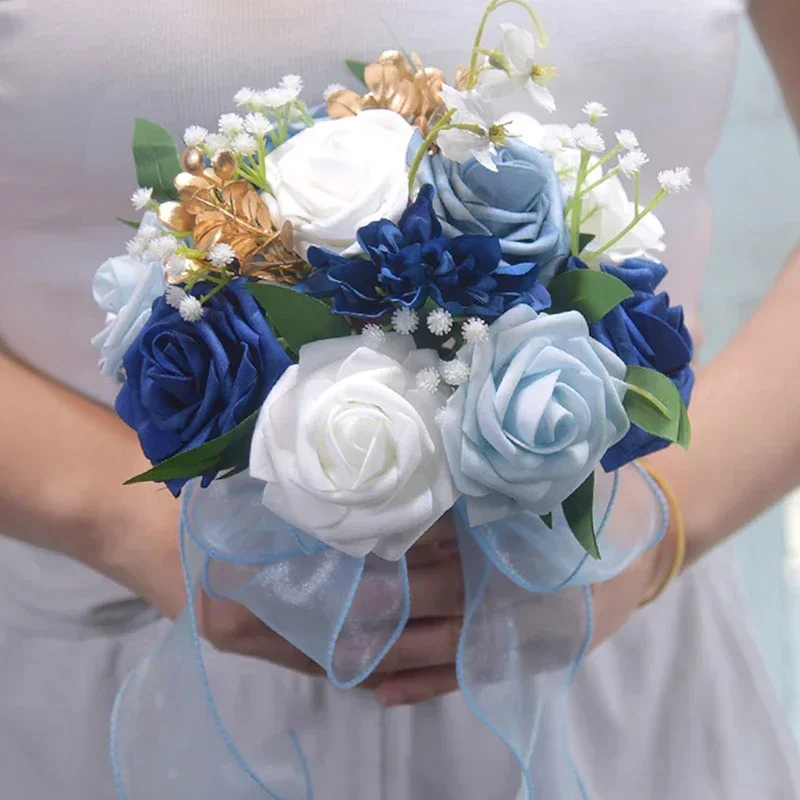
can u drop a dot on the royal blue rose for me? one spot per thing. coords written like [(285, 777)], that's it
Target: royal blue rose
[(644, 331), (521, 204), (408, 262), (190, 382)]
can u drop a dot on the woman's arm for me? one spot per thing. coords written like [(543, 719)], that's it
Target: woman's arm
[(745, 452), (777, 23), (64, 461)]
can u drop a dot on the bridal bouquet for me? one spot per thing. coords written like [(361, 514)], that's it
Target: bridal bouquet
[(350, 318)]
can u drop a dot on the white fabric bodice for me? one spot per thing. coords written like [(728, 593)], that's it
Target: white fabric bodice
[(73, 75)]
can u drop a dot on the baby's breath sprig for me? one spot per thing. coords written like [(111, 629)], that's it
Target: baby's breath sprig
[(587, 138)]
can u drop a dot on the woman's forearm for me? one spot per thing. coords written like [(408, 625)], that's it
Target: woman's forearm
[(64, 460), (745, 451)]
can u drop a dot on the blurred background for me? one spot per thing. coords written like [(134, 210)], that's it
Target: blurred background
[(759, 151)]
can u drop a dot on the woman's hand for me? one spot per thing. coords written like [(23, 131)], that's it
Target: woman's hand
[(422, 662)]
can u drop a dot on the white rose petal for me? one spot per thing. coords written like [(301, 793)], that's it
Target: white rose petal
[(335, 177), (349, 449)]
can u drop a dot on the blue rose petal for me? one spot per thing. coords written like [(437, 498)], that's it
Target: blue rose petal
[(190, 382)]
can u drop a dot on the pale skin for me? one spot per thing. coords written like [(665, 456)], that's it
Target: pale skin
[(74, 502)]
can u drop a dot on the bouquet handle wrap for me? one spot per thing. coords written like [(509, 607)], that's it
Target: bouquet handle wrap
[(527, 624)]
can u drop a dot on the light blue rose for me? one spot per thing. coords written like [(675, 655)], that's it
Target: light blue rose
[(521, 204), (542, 405), (125, 289)]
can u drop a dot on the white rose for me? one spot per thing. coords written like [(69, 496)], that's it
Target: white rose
[(349, 449), (125, 289), (338, 175), (613, 210)]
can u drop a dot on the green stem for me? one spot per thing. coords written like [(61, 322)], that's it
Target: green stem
[(423, 149), (659, 196), (593, 213), (224, 279), (472, 74), (262, 164), (200, 275), (605, 159), (575, 221), (254, 176), (592, 186), (304, 114), (541, 34)]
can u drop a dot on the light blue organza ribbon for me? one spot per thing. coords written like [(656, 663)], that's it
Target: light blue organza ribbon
[(527, 625)]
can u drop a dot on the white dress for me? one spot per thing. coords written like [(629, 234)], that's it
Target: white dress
[(675, 707)]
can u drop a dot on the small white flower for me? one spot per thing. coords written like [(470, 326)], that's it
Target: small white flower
[(217, 142), (276, 97), (461, 145), (632, 162), (257, 124), (291, 84), (221, 254), (439, 415), (230, 124), (675, 180), (194, 136), (373, 336), (330, 89), (190, 309), (245, 97), (594, 110), (135, 247), (440, 322), (520, 68), (428, 379), (454, 372), (176, 266), (162, 248), (475, 330), (244, 144), (141, 198), (138, 245), (174, 296), (588, 138), (627, 139), (405, 320)]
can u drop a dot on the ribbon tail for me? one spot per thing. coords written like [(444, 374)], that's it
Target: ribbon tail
[(168, 738), (516, 658)]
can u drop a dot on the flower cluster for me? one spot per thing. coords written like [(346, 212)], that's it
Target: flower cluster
[(397, 298)]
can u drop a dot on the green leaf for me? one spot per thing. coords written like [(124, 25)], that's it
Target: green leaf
[(589, 291), (684, 428), (357, 68), (223, 453), (547, 519), (584, 240), (650, 394), (156, 159), (298, 318), (579, 512), (131, 223)]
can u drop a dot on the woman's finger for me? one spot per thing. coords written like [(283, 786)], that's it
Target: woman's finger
[(424, 643), (440, 543), (417, 686), (437, 590)]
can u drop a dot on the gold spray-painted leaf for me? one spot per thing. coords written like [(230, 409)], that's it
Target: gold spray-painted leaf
[(175, 216), (343, 103)]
